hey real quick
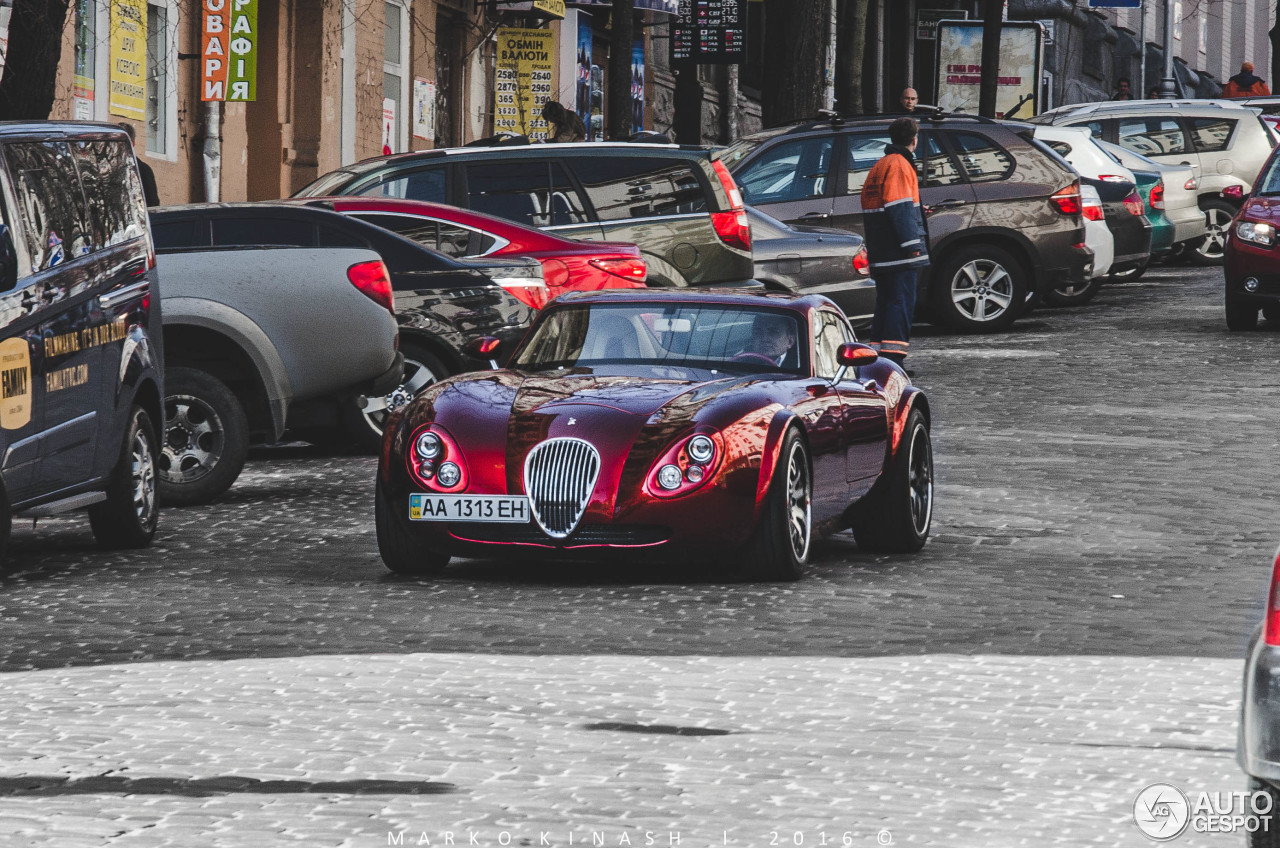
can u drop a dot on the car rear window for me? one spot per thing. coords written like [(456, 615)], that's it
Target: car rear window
[(1211, 135), (427, 185), (640, 186), (177, 235), (262, 232)]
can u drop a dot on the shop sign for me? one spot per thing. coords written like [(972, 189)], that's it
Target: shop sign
[(927, 21), (526, 58), (128, 59), (710, 32), (548, 8), (229, 50)]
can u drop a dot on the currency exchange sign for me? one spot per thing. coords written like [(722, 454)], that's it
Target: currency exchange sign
[(710, 32), (526, 58)]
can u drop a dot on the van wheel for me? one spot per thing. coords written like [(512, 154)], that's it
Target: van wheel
[(128, 517), (206, 438), (979, 289), (364, 427), (1217, 219)]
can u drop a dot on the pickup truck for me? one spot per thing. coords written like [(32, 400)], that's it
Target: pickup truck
[(260, 340)]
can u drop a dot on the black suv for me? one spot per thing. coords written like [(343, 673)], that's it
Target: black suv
[(1003, 213), (677, 204), (80, 351)]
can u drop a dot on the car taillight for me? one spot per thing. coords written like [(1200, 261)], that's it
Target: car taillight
[(861, 263), (1191, 184), (1157, 195), (1114, 178), (1133, 203), (374, 282), (555, 273), (631, 268), (733, 227), (529, 289), (726, 182), (1067, 199), (1092, 211), (1271, 631)]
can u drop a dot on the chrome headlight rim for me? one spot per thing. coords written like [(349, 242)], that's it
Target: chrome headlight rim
[(428, 446), (701, 449)]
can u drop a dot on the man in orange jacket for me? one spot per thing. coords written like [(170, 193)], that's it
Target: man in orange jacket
[(897, 243), (1245, 84)]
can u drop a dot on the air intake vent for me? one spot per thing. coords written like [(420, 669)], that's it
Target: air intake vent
[(559, 476)]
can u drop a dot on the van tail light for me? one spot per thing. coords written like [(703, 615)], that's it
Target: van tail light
[(1067, 199), (1134, 203), (732, 227), (861, 263), (631, 268), (374, 282), (1092, 211), (1271, 629), (1157, 195)]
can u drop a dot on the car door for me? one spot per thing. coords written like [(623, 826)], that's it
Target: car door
[(824, 414), (792, 180), (67, 373), (21, 351), (864, 421)]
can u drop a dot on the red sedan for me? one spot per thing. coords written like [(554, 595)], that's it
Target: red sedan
[(567, 265)]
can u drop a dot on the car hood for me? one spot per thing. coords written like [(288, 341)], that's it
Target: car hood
[(1262, 208)]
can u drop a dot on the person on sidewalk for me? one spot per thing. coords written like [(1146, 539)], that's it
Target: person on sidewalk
[(1122, 90), (1245, 84), (144, 170), (897, 242), (909, 99)]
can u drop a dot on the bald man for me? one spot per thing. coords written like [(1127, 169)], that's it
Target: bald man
[(909, 99)]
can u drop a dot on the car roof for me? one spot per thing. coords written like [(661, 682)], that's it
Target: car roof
[(248, 207), (526, 151), (57, 128), (926, 119), (745, 297), (1155, 106)]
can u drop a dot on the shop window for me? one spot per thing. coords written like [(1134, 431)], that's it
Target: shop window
[(395, 79)]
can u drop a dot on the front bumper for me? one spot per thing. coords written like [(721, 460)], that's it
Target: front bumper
[(1243, 261)]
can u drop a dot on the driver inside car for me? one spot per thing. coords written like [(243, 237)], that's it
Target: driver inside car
[(772, 337)]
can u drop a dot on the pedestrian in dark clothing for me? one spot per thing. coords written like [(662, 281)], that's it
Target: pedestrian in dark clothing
[(144, 170), (1122, 90), (1245, 84), (568, 126), (897, 242)]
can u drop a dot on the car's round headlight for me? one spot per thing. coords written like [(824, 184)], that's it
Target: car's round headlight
[(448, 475), (669, 477), (694, 474), (701, 449), (428, 446)]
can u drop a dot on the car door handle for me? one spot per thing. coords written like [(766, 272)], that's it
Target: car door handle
[(947, 204), (815, 216)]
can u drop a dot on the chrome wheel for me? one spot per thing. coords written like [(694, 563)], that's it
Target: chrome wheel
[(920, 480), (195, 439), (1215, 241), (799, 502), (417, 376), (982, 290), (143, 474)]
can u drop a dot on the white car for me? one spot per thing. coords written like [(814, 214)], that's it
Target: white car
[(1097, 235), (1181, 196)]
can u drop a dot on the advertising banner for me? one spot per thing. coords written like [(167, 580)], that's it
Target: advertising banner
[(582, 95), (960, 67), (82, 83), (424, 109), (128, 59), (229, 50), (637, 86), (526, 58)]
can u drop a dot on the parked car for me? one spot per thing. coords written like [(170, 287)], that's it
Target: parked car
[(677, 204), (1225, 144), (80, 345), (1097, 235), (1003, 216), (1251, 268), (566, 265), (1179, 202), (1123, 208), (814, 260), (443, 305), (669, 424), (1258, 739)]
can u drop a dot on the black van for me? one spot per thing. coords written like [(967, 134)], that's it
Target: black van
[(80, 356)]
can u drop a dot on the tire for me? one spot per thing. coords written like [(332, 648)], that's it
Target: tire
[(6, 527), (1074, 295), (1268, 837), (129, 515), (779, 546), (421, 369), (1241, 317), (896, 514), (206, 438), (1130, 274), (1271, 312), (1217, 217), (979, 289), (400, 551)]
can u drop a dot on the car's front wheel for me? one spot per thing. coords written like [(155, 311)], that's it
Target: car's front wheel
[(421, 369), (898, 511), (399, 550), (128, 517), (779, 547), (1217, 219), (206, 439), (979, 289), (1267, 836)]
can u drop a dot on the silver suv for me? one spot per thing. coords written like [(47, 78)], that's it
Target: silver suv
[(1224, 143)]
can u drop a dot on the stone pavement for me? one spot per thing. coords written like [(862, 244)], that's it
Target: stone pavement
[(365, 751)]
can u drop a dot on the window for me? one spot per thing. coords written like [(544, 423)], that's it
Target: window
[(787, 172), (50, 201), (640, 187), (176, 235), (162, 74), (262, 232), (829, 334), (419, 185), (981, 158), (395, 93), (113, 191), (1152, 136), (334, 237), (936, 165), (443, 236), (566, 205), (863, 152), (517, 191), (1211, 134), (85, 69)]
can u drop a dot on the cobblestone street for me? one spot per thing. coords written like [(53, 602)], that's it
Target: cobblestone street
[(1104, 527)]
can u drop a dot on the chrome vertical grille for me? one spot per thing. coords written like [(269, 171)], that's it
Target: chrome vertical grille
[(559, 476)]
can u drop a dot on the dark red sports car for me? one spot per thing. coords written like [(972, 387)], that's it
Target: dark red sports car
[(566, 265), (672, 424)]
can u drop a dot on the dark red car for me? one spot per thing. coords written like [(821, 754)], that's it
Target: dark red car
[(670, 425), (567, 265), (1250, 260)]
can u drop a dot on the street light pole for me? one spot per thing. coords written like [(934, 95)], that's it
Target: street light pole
[(1168, 85)]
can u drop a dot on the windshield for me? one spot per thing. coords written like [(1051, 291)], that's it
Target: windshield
[(704, 336), (733, 155), (326, 185), (1268, 181)]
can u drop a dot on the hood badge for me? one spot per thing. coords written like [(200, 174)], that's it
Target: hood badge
[(572, 421)]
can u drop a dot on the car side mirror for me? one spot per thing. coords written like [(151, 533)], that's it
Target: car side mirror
[(855, 355), (485, 347), (8, 259)]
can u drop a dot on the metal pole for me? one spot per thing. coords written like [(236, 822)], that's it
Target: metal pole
[(1142, 52), (212, 152), (1168, 85), (731, 105), (829, 88)]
